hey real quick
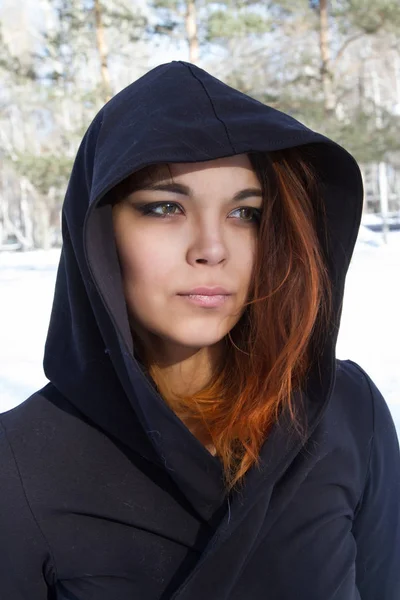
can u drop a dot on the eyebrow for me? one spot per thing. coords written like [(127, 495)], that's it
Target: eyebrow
[(184, 190)]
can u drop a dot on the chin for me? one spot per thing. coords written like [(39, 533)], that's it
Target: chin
[(195, 339), (195, 342)]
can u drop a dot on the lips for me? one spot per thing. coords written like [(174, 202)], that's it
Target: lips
[(206, 297), (206, 291)]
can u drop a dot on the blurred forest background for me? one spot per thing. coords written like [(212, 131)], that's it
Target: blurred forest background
[(334, 65)]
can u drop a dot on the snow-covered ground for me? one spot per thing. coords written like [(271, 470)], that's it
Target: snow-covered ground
[(369, 335), (26, 294)]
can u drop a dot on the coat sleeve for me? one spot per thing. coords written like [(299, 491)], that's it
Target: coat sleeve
[(24, 555), (377, 523)]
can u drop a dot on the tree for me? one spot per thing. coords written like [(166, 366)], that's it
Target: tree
[(53, 91), (203, 24), (102, 50)]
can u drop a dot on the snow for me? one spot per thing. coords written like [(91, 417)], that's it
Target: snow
[(26, 290), (369, 333)]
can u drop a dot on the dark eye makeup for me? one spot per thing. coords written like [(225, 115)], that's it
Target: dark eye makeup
[(160, 209), (247, 214)]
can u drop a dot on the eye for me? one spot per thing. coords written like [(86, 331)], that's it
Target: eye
[(161, 209), (247, 214)]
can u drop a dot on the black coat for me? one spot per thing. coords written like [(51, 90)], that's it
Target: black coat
[(104, 493)]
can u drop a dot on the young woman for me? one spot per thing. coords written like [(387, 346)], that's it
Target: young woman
[(198, 439)]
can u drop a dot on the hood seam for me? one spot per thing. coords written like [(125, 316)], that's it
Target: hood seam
[(213, 107)]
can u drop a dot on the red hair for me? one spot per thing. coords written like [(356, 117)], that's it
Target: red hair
[(269, 352)]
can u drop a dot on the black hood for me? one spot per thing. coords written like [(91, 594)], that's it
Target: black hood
[(175, 113)]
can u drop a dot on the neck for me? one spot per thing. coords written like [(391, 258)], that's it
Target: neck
[(184, 377), (181, 373), (185, 371)]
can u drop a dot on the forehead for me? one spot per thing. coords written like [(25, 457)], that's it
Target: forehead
[(232, 173), (238, 166)]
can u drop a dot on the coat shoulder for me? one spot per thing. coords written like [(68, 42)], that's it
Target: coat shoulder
[(23, 544), (353, 390), (40, 412), (357, 397)]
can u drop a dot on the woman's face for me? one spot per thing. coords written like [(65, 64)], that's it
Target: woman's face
[(186, 242)]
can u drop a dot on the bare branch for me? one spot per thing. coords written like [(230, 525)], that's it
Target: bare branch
[(345, 45)]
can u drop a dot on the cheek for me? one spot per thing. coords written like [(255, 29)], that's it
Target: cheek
[(244, 256), (147, 265)]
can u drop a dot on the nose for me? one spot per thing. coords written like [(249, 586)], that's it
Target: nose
[(207, 246)]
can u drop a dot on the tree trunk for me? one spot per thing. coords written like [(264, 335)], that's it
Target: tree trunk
[(3, 212), (326, 63), (382, 170), (42, 224), (103, 52), (191, 31), (384, 199), (25, 213), (396, 69)]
